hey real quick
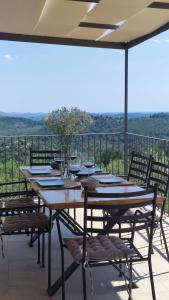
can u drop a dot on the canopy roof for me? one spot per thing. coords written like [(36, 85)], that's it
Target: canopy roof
[(96, 23)]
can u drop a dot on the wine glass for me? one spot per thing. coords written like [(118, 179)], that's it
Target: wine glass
[(60, 164), (73, 154), (89, 163), (74, 168)]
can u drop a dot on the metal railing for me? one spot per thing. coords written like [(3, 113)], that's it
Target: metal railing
[(15, 151), (107, 148), (158, 148)]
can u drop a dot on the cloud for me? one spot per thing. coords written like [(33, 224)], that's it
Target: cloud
[(166, 41), (8, 57)]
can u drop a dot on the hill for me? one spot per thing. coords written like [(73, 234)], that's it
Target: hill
[(20, 126), (27, 115), (156, 125), (40, 116)]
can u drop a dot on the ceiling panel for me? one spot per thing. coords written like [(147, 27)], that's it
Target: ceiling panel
[(19, 16), (86, 33), (60, 17), (113, 11), (140, 24)]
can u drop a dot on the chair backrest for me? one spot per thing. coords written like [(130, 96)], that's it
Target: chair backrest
[(132, 200), (159, 173), (43, 157), (14, 188), (139, 168)]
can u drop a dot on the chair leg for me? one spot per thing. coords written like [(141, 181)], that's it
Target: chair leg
[(63, 274), (38, 261), (74, 212), (148, 236), (151, 279), (43, 250), (130, 280), (31, 240), (62, 256), (84, 282), (120, 265), (164, 239)]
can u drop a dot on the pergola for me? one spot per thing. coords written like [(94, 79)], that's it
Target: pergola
[(113, 24)]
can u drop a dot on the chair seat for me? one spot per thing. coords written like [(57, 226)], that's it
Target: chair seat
[(141, 210), (99, 248), (145, 213), (24, 222), (16, 202), (132, 212)]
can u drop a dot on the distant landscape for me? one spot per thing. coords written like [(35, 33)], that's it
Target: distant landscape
[(150, 124)]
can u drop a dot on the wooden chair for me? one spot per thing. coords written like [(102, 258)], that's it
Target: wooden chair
[(43, 157), (98, 248)]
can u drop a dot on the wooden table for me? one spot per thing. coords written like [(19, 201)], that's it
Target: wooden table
[(58, 200), (62, 199)]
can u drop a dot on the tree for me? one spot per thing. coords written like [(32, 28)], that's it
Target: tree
[(66, 122)]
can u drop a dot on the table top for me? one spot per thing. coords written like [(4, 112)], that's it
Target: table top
[(54, 174), (62, 199)]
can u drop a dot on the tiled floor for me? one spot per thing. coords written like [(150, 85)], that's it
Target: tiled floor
[(22, 279)]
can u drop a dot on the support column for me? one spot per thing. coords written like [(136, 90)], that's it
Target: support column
[(126, 113)]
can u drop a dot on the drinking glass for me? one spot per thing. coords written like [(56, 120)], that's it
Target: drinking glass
[(89, 163)]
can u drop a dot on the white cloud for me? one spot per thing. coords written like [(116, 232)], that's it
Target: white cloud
[(8, 57), (166, 41)]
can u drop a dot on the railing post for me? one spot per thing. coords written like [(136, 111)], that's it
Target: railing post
[(126, 113)]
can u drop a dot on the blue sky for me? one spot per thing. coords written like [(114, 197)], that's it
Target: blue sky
[(41, 78)]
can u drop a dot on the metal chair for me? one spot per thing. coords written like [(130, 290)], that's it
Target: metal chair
[(98, 248), (43, 157), (19, 214), (16, 194), (138, 173), (159, 173), (139, 168)]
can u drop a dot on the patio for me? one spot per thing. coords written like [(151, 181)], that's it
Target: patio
[(21, 278)]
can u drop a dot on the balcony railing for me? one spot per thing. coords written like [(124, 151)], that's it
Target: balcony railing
[(107, 148), (15, 151)]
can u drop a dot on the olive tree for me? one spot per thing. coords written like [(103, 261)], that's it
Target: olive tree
[(66, 122)]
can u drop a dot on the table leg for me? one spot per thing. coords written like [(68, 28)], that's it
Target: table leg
[(49, 248), (58, 283)]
